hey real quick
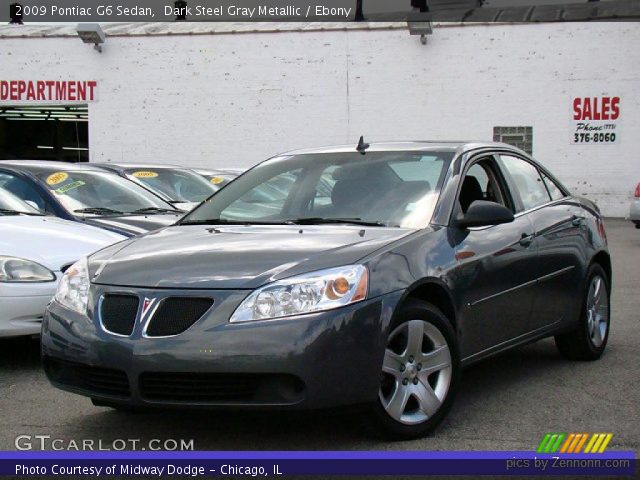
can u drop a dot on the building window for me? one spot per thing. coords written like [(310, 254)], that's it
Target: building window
[(520, 137)]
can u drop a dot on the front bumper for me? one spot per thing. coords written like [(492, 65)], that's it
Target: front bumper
[(22, 307), (311, 361)]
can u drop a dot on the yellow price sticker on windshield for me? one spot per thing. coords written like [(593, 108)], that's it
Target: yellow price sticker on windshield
[(144, 174), (217, 180), (56, 178)]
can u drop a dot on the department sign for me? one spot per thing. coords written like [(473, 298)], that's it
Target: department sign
[(52, 91)]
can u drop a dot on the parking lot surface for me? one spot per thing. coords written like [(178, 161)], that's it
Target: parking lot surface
[(505, 403)]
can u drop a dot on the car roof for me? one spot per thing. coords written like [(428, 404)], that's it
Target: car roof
[(138, 165), (217, 171), (454, 146), (45, 165)]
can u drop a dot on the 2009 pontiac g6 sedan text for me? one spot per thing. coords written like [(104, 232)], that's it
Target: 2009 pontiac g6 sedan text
[(338, 276)]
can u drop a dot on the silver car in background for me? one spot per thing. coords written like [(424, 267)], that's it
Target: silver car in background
[(634, 211)]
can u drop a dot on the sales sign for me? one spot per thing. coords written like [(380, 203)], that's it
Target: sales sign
[(596, 120)]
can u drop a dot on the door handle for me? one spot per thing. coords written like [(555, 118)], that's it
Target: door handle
[(526, 239), (577, 220)]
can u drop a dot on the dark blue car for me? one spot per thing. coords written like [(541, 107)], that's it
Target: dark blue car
[(87, 194)]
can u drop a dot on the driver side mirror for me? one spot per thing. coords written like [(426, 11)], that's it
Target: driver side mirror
[(482, 214)]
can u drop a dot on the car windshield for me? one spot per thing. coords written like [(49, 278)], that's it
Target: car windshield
[(10, 204), (88, 192), (394, 188), (175, 185), (217, 180)]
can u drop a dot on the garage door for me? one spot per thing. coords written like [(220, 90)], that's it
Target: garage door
[(44, 133)]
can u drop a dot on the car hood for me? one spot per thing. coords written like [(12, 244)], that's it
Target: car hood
[(131, 225), (234, 257), (51, 241), (185, 206)]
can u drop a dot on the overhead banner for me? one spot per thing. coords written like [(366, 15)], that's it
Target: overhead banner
[(306, 11)]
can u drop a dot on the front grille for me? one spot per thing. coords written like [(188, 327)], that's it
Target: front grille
[(175, 314), (95, 380), (220, 387), (118, 313)]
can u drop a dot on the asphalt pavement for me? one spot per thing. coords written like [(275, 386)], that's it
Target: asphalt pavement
[(504, 403)]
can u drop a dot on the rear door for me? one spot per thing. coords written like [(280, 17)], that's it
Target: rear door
[(558, 226)]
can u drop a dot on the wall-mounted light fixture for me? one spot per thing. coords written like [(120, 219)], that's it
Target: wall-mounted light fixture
[(15, 13), (180, 9), (419, 23), (91, 33)]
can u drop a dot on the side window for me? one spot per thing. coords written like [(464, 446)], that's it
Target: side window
[(527, 181), (481, 183), (554, 190), (21, 189)]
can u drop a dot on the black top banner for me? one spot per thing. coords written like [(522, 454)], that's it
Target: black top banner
[(25, 11)]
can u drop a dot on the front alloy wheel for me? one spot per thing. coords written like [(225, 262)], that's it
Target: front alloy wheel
[(419, 372), (417, 368)]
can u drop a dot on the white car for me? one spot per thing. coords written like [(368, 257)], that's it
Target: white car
[(34, 250)]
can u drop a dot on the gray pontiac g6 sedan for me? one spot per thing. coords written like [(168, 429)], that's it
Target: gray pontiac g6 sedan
[(371, 275)]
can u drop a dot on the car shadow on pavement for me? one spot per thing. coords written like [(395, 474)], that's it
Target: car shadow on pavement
[(20, 353)]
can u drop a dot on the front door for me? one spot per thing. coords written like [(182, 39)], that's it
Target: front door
[(497, 265)]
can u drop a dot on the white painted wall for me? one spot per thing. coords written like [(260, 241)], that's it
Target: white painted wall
[(232, 100)]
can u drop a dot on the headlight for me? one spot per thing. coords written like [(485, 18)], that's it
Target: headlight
[(73, 289), (13, 269), (308, 293)]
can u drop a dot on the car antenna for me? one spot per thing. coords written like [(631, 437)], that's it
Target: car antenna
[(362, 147)]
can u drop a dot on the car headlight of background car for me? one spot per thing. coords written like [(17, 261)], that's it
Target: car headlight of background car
[(18, 270), (73, 289), (307, 293)]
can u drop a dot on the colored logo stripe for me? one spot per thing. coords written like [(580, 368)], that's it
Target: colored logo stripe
[(598, 443), (574, 442)]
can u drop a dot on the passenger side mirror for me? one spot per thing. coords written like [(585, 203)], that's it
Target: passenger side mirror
[(482, 213)]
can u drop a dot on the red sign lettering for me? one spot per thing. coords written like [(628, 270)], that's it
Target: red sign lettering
[(48, 90), (596, 108)]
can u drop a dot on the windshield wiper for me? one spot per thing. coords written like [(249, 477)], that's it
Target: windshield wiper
[(321, 220), (224, 221), (8, 211), (156, 210), (98, 211)]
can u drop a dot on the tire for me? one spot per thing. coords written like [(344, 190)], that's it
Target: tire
[(414, 398), (589, 339)]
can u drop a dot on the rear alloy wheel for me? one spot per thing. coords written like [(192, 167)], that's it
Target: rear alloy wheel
[(419, 372), (589, 339)]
